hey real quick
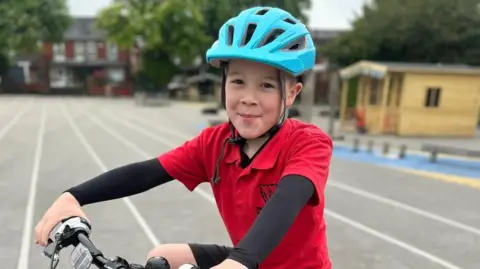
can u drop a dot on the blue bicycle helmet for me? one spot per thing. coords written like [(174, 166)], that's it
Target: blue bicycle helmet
[(267, 35)]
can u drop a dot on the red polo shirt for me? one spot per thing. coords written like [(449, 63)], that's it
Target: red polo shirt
[(298, 148)]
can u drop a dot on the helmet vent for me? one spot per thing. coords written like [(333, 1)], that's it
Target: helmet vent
[(297, 44), (288, 20), (249, 33), (262, 12), (230, 32), (272, 36)]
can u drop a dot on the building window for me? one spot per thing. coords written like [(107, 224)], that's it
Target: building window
[(112, 52), (59, 52), (79, 51), (432, 98), (92, 50)]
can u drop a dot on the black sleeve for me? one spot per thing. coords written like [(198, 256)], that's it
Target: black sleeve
[(292, 194), (121, 182)]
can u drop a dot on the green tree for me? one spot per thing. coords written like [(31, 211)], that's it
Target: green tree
[(446, 31), (177, 30), (217, 12), (23, 23), (172, 31)]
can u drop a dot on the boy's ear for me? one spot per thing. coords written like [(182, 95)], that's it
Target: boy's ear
[(292, 93)]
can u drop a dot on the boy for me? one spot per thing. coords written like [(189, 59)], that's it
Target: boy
[(267, 172)]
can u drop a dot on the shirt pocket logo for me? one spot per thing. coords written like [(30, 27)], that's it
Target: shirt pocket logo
[(267, 191)]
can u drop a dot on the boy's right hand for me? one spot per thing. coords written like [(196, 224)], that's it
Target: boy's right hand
[(64, 207)]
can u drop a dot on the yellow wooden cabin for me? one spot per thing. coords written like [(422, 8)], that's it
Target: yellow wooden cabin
[(408, 99)]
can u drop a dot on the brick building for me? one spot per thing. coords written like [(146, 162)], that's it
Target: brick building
[(85, 63)]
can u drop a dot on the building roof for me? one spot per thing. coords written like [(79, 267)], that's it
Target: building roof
[(83, 28), (378, 69)]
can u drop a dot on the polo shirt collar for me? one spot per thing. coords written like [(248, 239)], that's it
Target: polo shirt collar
[(268, 155)]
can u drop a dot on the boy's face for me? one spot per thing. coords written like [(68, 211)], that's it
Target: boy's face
[(253, 97)]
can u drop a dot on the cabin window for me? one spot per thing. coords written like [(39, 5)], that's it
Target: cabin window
[(432, 98)]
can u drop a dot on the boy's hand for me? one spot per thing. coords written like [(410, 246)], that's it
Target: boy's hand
[(230, 264), (64, 207)]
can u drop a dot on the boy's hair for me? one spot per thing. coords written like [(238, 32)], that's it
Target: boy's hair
[(292, 79)]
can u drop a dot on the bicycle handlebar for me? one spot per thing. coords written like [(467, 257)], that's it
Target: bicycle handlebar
[(75, 231)]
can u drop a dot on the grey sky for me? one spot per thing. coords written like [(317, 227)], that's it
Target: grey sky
[(325, 14)]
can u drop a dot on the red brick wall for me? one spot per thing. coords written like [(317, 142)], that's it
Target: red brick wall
[(101, 50), (69, 49), (123, 55)]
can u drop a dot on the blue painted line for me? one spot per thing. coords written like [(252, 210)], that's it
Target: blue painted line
[(445, 166)]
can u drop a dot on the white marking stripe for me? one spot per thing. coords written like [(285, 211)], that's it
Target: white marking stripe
[(403, 206), (392, 240), (27, 226), (136, 214)]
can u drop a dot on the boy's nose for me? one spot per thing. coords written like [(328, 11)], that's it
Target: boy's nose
[(249, 97), (249, 100)]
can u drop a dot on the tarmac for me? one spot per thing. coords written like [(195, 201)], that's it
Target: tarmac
[(379, 214)]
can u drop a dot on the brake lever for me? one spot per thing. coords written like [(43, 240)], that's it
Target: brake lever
[(50, 249), (63, 235)]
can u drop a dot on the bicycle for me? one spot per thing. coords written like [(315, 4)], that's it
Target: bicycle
[(76, 231)]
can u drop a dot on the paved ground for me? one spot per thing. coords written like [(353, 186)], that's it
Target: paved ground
[(377, 217)]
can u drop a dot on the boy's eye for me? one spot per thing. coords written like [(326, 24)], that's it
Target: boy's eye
[(237, 81), (268, 85)]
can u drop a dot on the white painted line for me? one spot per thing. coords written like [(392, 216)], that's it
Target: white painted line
[(14, 121), (153, 136), (335, 215), (403, 206), (392, 240), (27, 226), (138, 150), (136, 214), (154, 126)]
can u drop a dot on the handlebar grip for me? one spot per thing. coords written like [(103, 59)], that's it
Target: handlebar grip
[(85, 241), (97, 255), (157, 263)]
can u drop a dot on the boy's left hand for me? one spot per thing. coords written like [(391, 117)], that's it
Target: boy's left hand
[(230, 264)]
